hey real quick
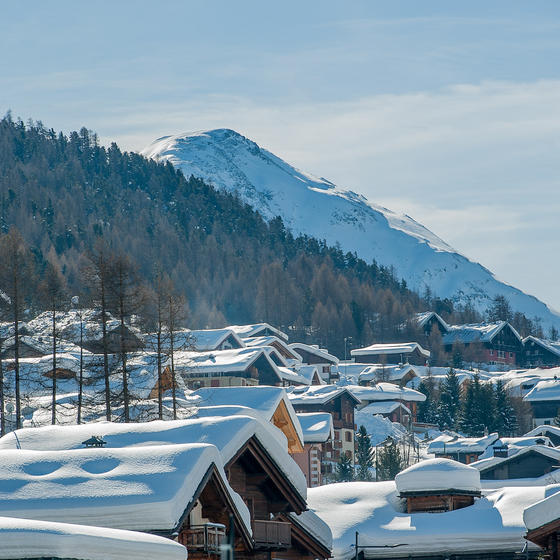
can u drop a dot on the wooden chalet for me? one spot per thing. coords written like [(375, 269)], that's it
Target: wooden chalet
[(543, 526), (538, 352), (499, 342), (429, 320), (550, 432), (544, 399), (399, 374), (396, 353), (314, 356), (463, 450), (306, 543), (258, 329), (438, 485), (279, 344)]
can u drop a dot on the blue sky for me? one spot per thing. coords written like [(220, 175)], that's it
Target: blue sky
[(447, 111)]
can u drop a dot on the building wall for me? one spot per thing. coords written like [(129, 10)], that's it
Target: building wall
[(310, 462)]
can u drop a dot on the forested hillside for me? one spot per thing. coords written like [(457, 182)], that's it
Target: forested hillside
[(66, 193)]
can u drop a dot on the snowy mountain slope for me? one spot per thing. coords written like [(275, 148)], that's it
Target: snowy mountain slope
[(319, 208)]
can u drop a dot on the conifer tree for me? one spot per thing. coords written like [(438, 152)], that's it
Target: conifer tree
[(505, 417), (363, 454), (449, 406), (427, 410), (344, 468), (389, 462), (474, 414)]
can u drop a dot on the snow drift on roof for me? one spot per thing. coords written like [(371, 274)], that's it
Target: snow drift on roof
[(385, 392), (396, 348), (548, 390), (461, 445), (317, 426), (438, 475), (30, 538), (544, 511)]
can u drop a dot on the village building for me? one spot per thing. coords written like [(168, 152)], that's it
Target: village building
[(499, 343), (319, 357), (29, 538), (544, 399), (176, 491), (438, 485), (543, 525), (538, 352), (279, 344), (340, 404), (399, 374), (463, 450), (550, 432), (396, 353), (227, 368), (207, 340), (258, 329), (429, 320), (528, 462), (35, 347), (317, 430)]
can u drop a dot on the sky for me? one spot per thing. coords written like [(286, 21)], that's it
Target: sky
[(446, 111)]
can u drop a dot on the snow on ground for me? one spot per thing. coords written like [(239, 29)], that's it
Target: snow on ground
[(494, 523), (29, 538)]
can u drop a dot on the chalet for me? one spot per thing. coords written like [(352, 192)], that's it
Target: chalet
[(35, 347), (400, 374), (538, 352), (29, 538), (463, 450), (227, 368), (530, 462), (544, 399), (543, 525), (429, 320), (311, 537), (394, 411), (259, 329), (272, 403), (279, 344), (310, 373), (205, 340), (340, 403), (438, 485), (550, 432), (388, 393), (314, 356), (397, 353), (179, 492), (317, 430), (499, 342), (254, 455)]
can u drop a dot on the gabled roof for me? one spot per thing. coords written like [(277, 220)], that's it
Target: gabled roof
[(424, 317), (310, 372), (136, 488), (317, 427), (486, 464), (290, 376), (550, 346), (477, 332), (30, 538), (385, 392), (394, 348), (258, 329), (317, 394), (384, 407), (543, 430), (461, 445), (544, 511), (548, 390), (315, 350), (391, 372)]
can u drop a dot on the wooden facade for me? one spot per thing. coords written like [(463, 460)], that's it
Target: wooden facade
[(530, 464), (428, 502), (548, 538)]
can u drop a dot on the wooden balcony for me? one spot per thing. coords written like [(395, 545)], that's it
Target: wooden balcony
[(272, 534), (205, 538)]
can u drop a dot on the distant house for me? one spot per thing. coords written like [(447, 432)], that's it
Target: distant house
[(314, 356), (35, 347), (500, 343), (340, 403), (279, 344), (258, 329), (227, 368), (544, 399), (530, 462), (207, 340), (317, 430), (538, 352), (438, 485), (464, 450), (400, 374), (397, 353), (543, 525), (550, 432), (394, 411), (429, 320)]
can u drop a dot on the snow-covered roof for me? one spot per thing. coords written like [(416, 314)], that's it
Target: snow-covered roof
[(262, 398), (547, 390), (493, 524), (435, 475), (43, 344), (317, 427), (210, 339), (543, 430), (315, 526), (385, 392), (390, 372), (308, 372), (461, 445), (490, 462), (552, 346), (30, 538), (395, 348), (228, 434), (269, 341), (290, 376), (258, 329), (316, 394), (321, 353), (384, 407), (136, 488), (424, 317), (544, 511), (476, 332)]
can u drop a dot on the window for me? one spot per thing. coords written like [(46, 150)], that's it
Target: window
[(348, 436)]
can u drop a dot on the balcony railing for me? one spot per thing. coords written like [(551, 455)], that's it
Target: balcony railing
[(206, 538), (272, 534)]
